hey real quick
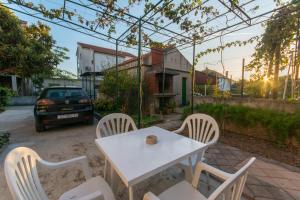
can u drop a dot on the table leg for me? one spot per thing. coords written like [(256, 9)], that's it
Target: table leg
[(189, 171), (130, 193)]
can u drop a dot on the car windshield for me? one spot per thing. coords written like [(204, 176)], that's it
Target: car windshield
[(64, 92)]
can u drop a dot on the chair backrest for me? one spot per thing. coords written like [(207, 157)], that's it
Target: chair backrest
[(114, 123), (233, 187), (21, 174), (202, 127)]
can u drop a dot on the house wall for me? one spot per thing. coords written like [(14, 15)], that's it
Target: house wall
[(61, 82), (104, 61), (85, 59), (176, 61), (177, 87)]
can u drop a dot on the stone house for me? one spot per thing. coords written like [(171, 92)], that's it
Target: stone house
[(163, 64)]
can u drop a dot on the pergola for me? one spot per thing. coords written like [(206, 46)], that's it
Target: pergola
[(229, 17)]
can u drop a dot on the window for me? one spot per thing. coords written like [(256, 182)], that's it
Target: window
[(64, 92)]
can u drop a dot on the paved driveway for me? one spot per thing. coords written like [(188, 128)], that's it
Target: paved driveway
[(55, 144)]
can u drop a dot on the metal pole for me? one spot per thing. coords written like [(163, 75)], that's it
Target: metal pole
[(193, 77), (94, 74), (164, 79), (242, 85), (139, 71), (117, 73)]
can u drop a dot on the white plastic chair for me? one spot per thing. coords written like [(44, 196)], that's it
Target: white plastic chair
[(114, 123), (203, 128), (22, 178), (231, 189)]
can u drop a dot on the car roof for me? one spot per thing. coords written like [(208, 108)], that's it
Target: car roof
[(63, 87)]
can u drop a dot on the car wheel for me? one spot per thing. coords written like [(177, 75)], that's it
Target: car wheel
[(39, 126)]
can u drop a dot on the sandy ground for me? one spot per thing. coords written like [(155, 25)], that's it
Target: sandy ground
[(66, 142), (61, 143)]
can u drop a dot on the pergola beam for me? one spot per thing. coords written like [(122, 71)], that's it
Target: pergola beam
[(248, 21), (67, 27), (212, 19), (60, 18)]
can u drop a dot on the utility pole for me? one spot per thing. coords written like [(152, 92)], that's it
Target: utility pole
[(242, 85)]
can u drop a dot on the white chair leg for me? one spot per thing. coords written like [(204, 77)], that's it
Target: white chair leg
[(131, 192), (105, 170), (207, 181), (112, 178)]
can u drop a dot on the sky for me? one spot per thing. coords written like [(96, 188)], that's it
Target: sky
[(232, 57)]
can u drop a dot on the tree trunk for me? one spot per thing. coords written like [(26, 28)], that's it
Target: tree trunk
[(23, 86), (276, 73), (297, 61), (270, 69)]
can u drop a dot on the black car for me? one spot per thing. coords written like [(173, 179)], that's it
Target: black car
[(60, 105)]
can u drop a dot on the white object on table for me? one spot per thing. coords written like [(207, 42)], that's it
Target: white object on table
[(134, 160)]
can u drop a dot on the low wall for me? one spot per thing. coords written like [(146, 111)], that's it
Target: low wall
[(277, 105), (22, 100)]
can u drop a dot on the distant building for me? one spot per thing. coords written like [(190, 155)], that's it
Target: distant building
[(210, 77), (92, 60)]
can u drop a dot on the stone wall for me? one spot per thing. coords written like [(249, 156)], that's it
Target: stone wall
[(277, 105), (22, 101)]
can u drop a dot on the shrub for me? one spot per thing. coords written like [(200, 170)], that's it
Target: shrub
[(104, 105), (126, 86), (5, 93), (279, 125), (4, 139)]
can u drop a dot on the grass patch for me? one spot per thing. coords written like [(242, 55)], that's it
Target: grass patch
[(279, 125)]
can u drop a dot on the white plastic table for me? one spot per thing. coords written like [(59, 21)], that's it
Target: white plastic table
[(134, 160)]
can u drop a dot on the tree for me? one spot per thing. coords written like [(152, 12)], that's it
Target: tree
[(273, 49), (12, 40), (30, 50), (42, 56)]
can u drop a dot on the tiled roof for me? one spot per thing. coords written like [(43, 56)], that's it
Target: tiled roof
[(105, 50)]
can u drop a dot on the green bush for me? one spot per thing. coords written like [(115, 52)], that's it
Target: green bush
[(5, 93), (126, 86), (104, 105), (280, 125), (4, 139)]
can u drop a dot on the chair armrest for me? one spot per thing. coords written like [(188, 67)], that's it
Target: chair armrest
[(82, 160), (211, 170), (150, 196), (178, 131), (93, 196)]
